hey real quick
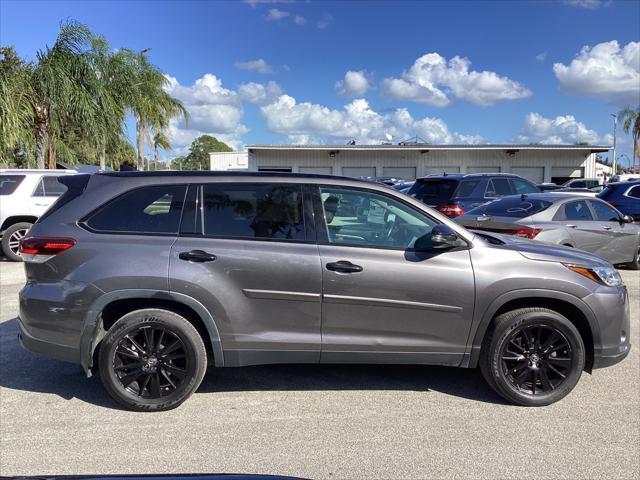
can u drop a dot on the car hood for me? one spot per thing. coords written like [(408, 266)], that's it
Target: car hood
[(543, 251)]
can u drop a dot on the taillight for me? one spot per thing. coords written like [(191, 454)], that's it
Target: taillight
[(40, 249), (450, 209), (526, 232)]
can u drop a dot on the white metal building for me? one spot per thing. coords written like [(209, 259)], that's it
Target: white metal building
[(229, 160), (539, 163)]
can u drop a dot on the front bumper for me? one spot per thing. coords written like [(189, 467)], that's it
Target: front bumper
[(602, 361)]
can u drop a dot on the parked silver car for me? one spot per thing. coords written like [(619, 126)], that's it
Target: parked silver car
[(589, 224)]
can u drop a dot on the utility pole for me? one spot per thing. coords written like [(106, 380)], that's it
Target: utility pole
[(615, 127)]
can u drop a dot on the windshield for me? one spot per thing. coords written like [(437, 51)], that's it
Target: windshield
[(436, 188), (9, 183), (516, 207)]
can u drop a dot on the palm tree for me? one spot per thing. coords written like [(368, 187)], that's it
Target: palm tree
[(159, 141), (631, 123)]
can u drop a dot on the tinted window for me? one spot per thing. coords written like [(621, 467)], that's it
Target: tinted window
[(9, 183), (498, 187), (253, 211), (154, 209), (436, 188), (511, 207), (522, 186), (578, 184), (634, 192), (466, 188), (577, 211), (355, 217), (48, 186), (604, 212)]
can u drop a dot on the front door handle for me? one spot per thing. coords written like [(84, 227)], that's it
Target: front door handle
[(343, 266), (606, 227), (571, 226), (199, 256)]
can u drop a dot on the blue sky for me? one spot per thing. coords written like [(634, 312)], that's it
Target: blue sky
[(266, 71)]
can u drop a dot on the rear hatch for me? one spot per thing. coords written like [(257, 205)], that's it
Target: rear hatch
[(434, 191)]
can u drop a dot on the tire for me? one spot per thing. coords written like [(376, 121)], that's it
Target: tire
[(12, 235), (532, 376), (635, 263), (157, 378)]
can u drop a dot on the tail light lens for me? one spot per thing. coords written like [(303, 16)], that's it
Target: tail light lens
[(450, 209), (40, 249), (526, 232)]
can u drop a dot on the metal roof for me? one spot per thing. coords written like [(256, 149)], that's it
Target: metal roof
[(426, 146)]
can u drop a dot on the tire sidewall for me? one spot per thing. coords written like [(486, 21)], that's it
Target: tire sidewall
[(550, 319), (194, 349), (7, 235)]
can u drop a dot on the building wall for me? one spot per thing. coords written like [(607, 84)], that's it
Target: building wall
[(546, 163), (228, 161)]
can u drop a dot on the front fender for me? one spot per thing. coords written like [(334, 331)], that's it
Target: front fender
[(93, 331)]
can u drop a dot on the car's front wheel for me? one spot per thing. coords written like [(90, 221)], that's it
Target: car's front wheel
[(532, 356), (152, 359)]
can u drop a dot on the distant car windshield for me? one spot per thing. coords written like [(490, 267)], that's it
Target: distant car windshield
[(515, 206), (9, 183), (436, 188)]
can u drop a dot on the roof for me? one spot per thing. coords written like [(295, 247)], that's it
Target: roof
[(457, 176), (427, 147), (36, 170), (208, 173)]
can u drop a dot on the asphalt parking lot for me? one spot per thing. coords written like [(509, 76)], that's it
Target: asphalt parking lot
[(316, 421)]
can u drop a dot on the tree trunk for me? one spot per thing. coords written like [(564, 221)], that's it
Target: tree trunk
[(40, 128), (52, 149), (140, 142), (103, 147), (155, 157)]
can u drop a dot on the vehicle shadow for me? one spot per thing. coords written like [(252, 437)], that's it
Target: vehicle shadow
[(26, 371)]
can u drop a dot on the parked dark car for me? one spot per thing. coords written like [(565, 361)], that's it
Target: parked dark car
[(454, 194), (150, 277), (625, 196), (548, 187)]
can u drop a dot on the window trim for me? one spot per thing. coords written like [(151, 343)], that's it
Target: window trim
[(305, 218), (82, 222), (322, 234)]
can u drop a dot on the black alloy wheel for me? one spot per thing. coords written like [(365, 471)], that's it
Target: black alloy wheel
[(536, 359)]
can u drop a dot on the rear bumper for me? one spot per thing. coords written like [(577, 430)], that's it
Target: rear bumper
[(46, 347)]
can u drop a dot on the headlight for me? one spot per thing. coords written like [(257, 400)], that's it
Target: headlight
[(604, 275)]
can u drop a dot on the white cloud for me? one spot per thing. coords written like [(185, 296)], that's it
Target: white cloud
[(305, 122), (588, 4), (432, 80), (258, 65), (606, 71), (560, 130), (541, 57), (355, 84), (275, 14), (253, 3), (259, 94), (299, 20), (324, 21), (213, 110)]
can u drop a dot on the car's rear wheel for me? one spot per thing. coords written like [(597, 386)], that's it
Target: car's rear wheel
[(152, 359), (11, 240), (532, 356)]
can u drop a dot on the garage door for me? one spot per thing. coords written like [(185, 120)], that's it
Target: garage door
[(441, 170), (483, 169), (406, 173), (572, 172), (535, 174), (318, 170), (357, 172)]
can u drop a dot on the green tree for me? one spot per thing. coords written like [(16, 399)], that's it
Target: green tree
[(630, 120), (199, 150), (178, 162), (159, 141)]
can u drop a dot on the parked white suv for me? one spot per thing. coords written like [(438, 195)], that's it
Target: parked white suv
[(24, 196)]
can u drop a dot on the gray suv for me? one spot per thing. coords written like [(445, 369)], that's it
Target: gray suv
[(149, 278)]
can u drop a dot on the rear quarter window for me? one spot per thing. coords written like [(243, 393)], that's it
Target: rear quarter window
[(515, 207), (153, 209), (9, 183)]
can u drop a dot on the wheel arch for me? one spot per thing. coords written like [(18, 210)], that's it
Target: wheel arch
[(576, 311), (107, 309), (12, 220)]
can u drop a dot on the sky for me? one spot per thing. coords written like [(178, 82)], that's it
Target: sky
[(316, 71)]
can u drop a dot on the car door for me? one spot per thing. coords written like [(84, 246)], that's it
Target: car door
[(577, 217), (383, 300), (622, 238), (247, 252), (46, 192)]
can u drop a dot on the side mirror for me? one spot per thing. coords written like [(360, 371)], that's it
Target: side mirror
[(444, 237), (626, 219)]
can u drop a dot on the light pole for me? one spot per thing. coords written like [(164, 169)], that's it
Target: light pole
[(615, 127)]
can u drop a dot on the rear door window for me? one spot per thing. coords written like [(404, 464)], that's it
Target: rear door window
[(153, 209), (257, 211), (604, 212), (498, 187), (634, 192), (9, 183), (48, 186), (577, 211), (466, 188)]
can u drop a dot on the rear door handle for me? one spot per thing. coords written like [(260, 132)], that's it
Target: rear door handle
[(571, 226), (198, 256), (606, 227), (343, 266)]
